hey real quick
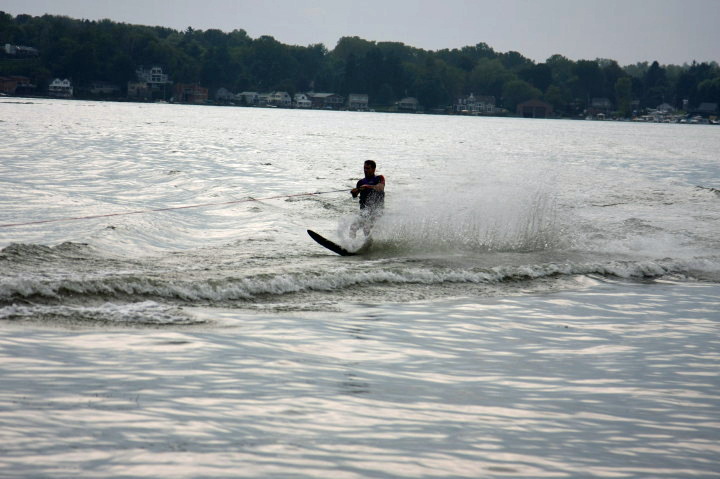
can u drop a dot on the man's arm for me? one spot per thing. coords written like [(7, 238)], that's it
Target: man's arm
[(379, 187), (356, 191)]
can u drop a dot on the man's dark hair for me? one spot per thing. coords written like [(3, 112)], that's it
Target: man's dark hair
[(371, 163)]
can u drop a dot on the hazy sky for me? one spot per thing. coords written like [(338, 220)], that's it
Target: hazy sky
[(629, 31)]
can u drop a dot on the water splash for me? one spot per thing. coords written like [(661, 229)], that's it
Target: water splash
[(520, 221)]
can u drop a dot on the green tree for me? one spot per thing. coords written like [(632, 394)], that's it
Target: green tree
[(385, 95), (514, 61), (655, 86), (611, 73), (557, 97), (488, 78), (590, 80), (518, 91), (623, 95), (686, 86), (351, 45), (540, 75), (709, 90), (560, 92)]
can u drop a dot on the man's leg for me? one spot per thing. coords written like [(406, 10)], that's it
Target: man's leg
[(370, 220), (362, 221)]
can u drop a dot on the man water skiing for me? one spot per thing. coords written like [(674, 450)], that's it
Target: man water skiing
[(371, 189)]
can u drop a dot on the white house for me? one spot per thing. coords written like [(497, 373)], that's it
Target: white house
[(280, 98), (301, 100), (263, 99), (61, 88), (149, 82), (154, 77), (224, 95), (358, 101), (247, 98), (475, 105)]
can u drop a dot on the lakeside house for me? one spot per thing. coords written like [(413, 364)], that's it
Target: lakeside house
[(190, 93), (600, 107), (408, 104), (301, 100), (263, 99), (358, 101), (475, 105), (150, 83), (280, 99), (154, 77), (327, 101), (249, 98), (15, 85), (534, 109), (223, 95), (60, 88)]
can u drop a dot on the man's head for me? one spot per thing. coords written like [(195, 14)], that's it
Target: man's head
[(369, 168)]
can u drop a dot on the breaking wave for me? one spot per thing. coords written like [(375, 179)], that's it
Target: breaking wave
[(137, 288)]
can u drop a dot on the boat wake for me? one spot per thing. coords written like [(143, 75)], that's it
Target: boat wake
[(131, 295)]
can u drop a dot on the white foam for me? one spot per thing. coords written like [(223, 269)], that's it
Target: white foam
[(365, 273), (519, 219), (145, 312)]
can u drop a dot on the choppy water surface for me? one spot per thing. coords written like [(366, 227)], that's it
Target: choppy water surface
[(540, 299)]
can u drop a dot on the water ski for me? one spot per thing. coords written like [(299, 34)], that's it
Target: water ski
[(335, 248)]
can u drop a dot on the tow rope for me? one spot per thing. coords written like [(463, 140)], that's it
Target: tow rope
[(171, 208)]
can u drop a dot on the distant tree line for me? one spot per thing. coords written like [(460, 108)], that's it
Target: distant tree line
[(89, 51)]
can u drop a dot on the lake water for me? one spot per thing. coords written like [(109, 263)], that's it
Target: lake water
[(541, 298)]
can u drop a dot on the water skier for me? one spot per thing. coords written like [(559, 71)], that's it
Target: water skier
[(371, 189)]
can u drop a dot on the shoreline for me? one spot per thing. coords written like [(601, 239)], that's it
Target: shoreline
[(388, 111)]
